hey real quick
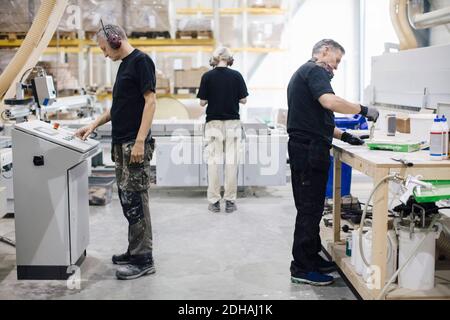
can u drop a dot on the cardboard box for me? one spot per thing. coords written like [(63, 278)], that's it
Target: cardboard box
[(265, 3), (403, 124), (189, 78), (146, 16), (15, 16), (110, 11), (64, 74), (231, 31), (162, 83), (194, 24), (265, 34), (71, 21)]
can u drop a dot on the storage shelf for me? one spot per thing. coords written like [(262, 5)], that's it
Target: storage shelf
[(230, 11), (186, 49), (133, 42), (53, 43), (172, 42), (258, 50)]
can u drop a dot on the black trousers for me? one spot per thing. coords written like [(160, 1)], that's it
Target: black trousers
[(309, 161)]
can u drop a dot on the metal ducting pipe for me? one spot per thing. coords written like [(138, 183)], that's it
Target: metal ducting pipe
[(421, 20), (402, 27), (35, 42), (418, 7)]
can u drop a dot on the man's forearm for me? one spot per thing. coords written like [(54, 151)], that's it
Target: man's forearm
[(343, 106), (337, 134), (337, 104), (104, 118), (147, 119)]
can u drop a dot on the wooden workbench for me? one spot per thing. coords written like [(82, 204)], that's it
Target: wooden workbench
[(378, 164)]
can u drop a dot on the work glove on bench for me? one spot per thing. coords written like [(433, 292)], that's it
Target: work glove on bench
[(351, 139)]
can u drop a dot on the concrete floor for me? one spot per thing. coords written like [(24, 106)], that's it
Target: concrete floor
[(198, 255)]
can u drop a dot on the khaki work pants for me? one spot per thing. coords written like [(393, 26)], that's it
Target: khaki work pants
[(223, 143)]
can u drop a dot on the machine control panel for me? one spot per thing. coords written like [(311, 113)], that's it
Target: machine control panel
[(57, 135)]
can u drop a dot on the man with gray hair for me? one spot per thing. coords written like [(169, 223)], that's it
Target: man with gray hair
[(222, 89), (311, 129), (131, 115)]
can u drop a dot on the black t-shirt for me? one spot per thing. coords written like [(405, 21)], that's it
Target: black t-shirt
[(306, 116), (222, 87), (136, 76)]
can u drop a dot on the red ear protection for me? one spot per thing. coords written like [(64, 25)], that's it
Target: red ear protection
[(114, 40)]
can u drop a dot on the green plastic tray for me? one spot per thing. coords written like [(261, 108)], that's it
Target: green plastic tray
[(391, 146), (441, 191)]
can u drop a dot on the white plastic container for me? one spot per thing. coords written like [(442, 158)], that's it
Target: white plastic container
[(391, 264), (356, 259), (367, 249), (418, 274), (420, 124), (445, 129), (436, 140)]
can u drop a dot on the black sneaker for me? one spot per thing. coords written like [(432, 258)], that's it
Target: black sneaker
[(214, 207), (133, 271), (313, 278), (120, 259), (325, 266), (230, 206)]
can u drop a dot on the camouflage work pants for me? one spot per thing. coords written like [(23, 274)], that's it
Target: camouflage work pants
[(133, 181)]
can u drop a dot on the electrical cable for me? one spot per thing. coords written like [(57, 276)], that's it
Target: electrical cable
[(363, 216), (2, 115), (7, 241)]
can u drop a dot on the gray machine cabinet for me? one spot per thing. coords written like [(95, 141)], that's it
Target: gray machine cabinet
[(177, 161), (51, 201), (204, 174), (265, 160)]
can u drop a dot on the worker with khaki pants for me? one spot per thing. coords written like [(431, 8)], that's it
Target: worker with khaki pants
[(221, 90)]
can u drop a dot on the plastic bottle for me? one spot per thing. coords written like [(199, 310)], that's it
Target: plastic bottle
[(445, 129), (348, 245), (436, 140)]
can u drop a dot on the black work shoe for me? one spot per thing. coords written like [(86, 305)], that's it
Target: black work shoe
[(120, 259), (133, 271), (312, 278), (230, 206), (214, 207), (325, 266)]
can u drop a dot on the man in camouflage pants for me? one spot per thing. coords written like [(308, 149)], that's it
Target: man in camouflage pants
[(131, 116), (133, 181)]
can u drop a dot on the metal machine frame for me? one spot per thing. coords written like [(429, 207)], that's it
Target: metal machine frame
[(51, 199)]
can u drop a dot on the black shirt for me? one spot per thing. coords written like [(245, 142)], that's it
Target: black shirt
[(136, 76), (222, 87), (306, 116)]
